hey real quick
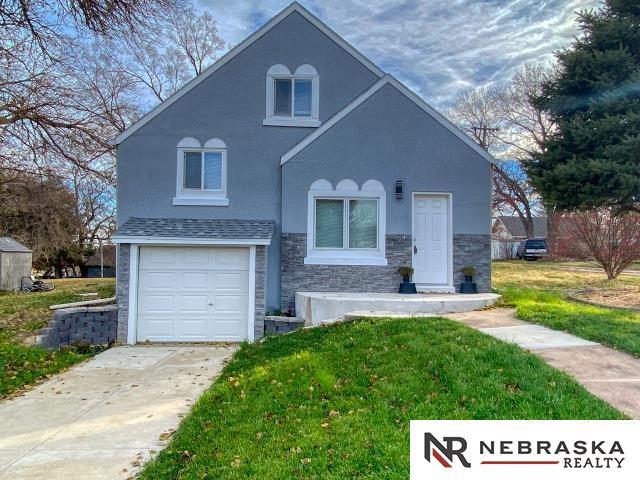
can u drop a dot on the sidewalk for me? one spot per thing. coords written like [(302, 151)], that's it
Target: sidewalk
[(607, 373)]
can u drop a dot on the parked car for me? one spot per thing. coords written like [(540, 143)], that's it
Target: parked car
[(532, 249)]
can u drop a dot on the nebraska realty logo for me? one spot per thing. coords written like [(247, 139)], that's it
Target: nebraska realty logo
[(484, 449)]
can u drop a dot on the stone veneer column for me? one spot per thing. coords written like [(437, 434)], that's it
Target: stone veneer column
[(261, 278), (122, 290), (474, 251)]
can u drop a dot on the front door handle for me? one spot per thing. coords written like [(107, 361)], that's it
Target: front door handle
[(415, 249)]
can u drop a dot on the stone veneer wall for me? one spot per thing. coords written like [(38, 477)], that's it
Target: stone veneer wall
[(296, 276), (475, 251), (122, 291), (87, 325)]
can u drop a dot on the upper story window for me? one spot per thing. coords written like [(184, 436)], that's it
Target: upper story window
[(346, 225), (292, 99), (201, 173)]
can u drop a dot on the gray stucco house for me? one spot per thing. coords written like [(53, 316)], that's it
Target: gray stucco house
[(291, 164)]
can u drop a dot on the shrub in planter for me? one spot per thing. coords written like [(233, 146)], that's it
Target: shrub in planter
[(406, 286), (468, 286)]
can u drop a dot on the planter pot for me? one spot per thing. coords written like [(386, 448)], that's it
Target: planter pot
[(407, 287), (468, 287), (468, 278)]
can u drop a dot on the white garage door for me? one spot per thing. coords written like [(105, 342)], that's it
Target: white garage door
[(193, 294)]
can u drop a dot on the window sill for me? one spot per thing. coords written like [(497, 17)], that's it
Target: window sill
[(290, 122), (355, 260), (207, 202)]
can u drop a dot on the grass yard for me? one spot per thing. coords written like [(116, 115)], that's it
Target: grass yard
[(538, 291), (335, 402), (22, 315)]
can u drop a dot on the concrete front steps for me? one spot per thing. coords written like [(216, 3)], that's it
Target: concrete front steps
[(317, 308)]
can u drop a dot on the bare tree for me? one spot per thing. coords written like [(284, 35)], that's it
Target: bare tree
[(176, 48), (506, 122), (612, 241), (196, 36)]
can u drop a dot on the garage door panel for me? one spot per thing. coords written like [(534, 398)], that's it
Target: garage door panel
[(228, 304), (158, 304), (193, 294), (195, 304), (231, 281), (230, 258), (157, 328), (157, 257), (158, 280), (195, 328), (195, 280)]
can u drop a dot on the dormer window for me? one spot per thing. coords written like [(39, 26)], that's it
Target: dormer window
[(292, 99)]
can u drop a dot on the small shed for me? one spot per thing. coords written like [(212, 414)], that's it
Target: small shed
[(15, 262), (104, 266)]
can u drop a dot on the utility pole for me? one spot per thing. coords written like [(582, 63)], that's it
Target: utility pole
[(483, 137)]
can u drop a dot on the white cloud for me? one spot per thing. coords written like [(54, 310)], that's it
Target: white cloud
[(436, 47)]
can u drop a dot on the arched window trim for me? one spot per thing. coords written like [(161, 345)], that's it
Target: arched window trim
[(346, 190), (302, 72), (201, 196)]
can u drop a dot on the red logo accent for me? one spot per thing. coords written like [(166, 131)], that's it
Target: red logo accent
[(440, 458)]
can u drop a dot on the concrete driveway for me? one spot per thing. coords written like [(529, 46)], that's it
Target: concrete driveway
[(102, 418)]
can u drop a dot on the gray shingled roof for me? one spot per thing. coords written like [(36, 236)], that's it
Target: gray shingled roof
[(201, 228), (10, 245), (516, 229)]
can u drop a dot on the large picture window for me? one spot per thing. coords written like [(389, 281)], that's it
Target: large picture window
[(346, 225)]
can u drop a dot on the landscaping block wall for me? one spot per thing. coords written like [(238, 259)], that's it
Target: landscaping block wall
[(88, 325)]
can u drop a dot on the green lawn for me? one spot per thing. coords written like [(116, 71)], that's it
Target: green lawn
[(21, 316), (538, 291), (335, 402)]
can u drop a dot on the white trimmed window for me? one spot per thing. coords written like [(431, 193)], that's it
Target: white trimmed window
[(346, 225), (201, 173), (293, 100)]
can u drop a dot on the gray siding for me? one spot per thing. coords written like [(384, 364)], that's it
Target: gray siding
[(389, 138), (230, 105)]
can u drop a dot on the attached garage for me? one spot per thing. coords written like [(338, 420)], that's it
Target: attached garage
[(185, 280), (193, 294)]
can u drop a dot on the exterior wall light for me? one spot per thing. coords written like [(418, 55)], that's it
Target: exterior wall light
[(399, 190)]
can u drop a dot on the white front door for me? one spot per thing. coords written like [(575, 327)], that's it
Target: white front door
[(431, 243), (193, 294)]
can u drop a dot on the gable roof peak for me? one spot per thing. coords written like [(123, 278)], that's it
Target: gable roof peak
[(275, 20), (387, 79)]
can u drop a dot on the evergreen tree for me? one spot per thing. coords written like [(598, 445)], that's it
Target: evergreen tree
[(593, 158)]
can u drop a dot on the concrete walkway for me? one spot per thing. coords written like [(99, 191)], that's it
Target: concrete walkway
[(607, 373), (103, 418)]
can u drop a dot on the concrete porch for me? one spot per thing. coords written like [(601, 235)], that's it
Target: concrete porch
[(316, 308)]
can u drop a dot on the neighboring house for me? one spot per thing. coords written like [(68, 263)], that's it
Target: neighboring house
[(102, 266), (508, 232), (293, 163), (15, 263)]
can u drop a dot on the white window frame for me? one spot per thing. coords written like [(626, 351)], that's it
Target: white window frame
[(345, 190), (303, 72), (193, 196)]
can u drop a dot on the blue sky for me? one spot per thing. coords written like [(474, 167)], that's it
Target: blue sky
[(436, 47)]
